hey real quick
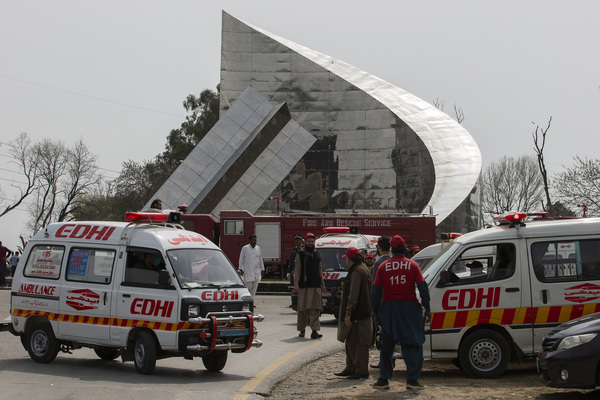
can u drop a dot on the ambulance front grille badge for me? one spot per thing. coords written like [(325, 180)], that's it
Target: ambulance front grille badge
[(224, 308)]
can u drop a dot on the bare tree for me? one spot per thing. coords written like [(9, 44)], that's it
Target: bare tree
[(457, 112), (27, 162), (65, 176), (539, 150), (511, 184), (579, 185)]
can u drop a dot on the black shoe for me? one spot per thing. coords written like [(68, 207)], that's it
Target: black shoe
[(358, 376), (414, 385), (315, 335), (374, 366), (345, 372), (302, 333), (381, 384)]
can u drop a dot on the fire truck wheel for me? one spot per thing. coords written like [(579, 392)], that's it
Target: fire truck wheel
[(42, 345), (144, 353), (484, 354), (215, 361), (107, 353)]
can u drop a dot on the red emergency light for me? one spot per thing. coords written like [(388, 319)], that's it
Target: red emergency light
[(512, 218), (336, 229), (145, 217), (450, 236)]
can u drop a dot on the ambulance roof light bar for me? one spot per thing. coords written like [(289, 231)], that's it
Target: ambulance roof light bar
[(512, 218), (450, 235), (336, 229), (146, 217)]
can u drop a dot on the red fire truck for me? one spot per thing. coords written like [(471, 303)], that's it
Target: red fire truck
[(276, 232)]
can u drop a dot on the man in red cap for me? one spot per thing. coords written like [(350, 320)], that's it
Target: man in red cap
[(369, 261), (355, 326), (395, 302), (308, 285)]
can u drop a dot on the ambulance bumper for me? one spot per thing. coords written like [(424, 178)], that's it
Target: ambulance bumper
[(224, 346)]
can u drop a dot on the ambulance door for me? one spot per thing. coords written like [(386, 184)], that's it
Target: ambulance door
[(478, 287), (86, 294), (565, 281), (146, 298)]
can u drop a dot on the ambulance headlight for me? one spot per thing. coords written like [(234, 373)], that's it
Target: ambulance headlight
[(574, 341), (247, 303), (193, 310)]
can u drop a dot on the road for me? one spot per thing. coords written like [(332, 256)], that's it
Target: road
[(250, 375)]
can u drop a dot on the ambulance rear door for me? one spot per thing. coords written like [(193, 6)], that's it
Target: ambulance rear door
[(86, 295), (565, 280), (480, 285)]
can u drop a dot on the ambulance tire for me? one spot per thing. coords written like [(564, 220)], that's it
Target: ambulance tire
[(42, 345), (216, 361), (484, 354), (24, 341), (144, 353), (107, 353)]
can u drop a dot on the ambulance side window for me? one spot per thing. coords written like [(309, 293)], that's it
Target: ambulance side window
[(565, 261), (143, 268), (483, 264), (91, 265), (44, 262)]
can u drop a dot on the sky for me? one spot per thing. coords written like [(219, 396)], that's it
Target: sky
[(115, 73)]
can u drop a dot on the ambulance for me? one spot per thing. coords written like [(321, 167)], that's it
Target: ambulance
[(144, 290), (531, 276), (332, 245)]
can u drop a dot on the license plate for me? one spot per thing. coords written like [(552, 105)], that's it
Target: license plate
[(233, 332)]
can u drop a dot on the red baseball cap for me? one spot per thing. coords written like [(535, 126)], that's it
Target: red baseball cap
[(310, 235), (397, 241), (352, 252), (414, 248), (370, 255)]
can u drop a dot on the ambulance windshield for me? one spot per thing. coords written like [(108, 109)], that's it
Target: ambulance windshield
[(438, 262), (203, 268), (332, 260)]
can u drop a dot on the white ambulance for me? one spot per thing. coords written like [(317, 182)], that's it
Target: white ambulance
[(145, 289), (332, 245), (531, 277)]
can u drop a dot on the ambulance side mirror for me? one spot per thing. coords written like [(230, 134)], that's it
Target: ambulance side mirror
[(444, 279), (163, 277)]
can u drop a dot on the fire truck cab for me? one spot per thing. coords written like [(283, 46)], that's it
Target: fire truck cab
[(144, 290), (332, 245), (496, 292)]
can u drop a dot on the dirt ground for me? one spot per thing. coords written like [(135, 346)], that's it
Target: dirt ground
[(442, 380)]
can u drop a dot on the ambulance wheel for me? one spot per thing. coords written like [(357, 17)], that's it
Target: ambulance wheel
[(107, 353), (484, 354), (23, 338), (42, 345), (215, 361), (144, 353)]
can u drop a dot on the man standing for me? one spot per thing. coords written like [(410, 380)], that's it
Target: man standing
[(383, 250), (251, 265), (401, 315), (14, 260), (369, 261), (309, 286), (299, 243), (355, 324), (4, 253)]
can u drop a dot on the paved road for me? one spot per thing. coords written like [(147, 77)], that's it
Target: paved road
[(250, 375)]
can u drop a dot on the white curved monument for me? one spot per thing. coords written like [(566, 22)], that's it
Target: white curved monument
[(378, 147)]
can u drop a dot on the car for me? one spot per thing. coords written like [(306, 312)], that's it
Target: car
[(570, 354)]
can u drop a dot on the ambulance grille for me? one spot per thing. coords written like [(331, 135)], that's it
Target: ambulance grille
[(212, 308)]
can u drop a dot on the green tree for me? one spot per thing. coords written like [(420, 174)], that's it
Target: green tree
[(138, 181)]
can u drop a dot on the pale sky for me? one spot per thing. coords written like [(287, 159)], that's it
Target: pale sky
[(115, 73)]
